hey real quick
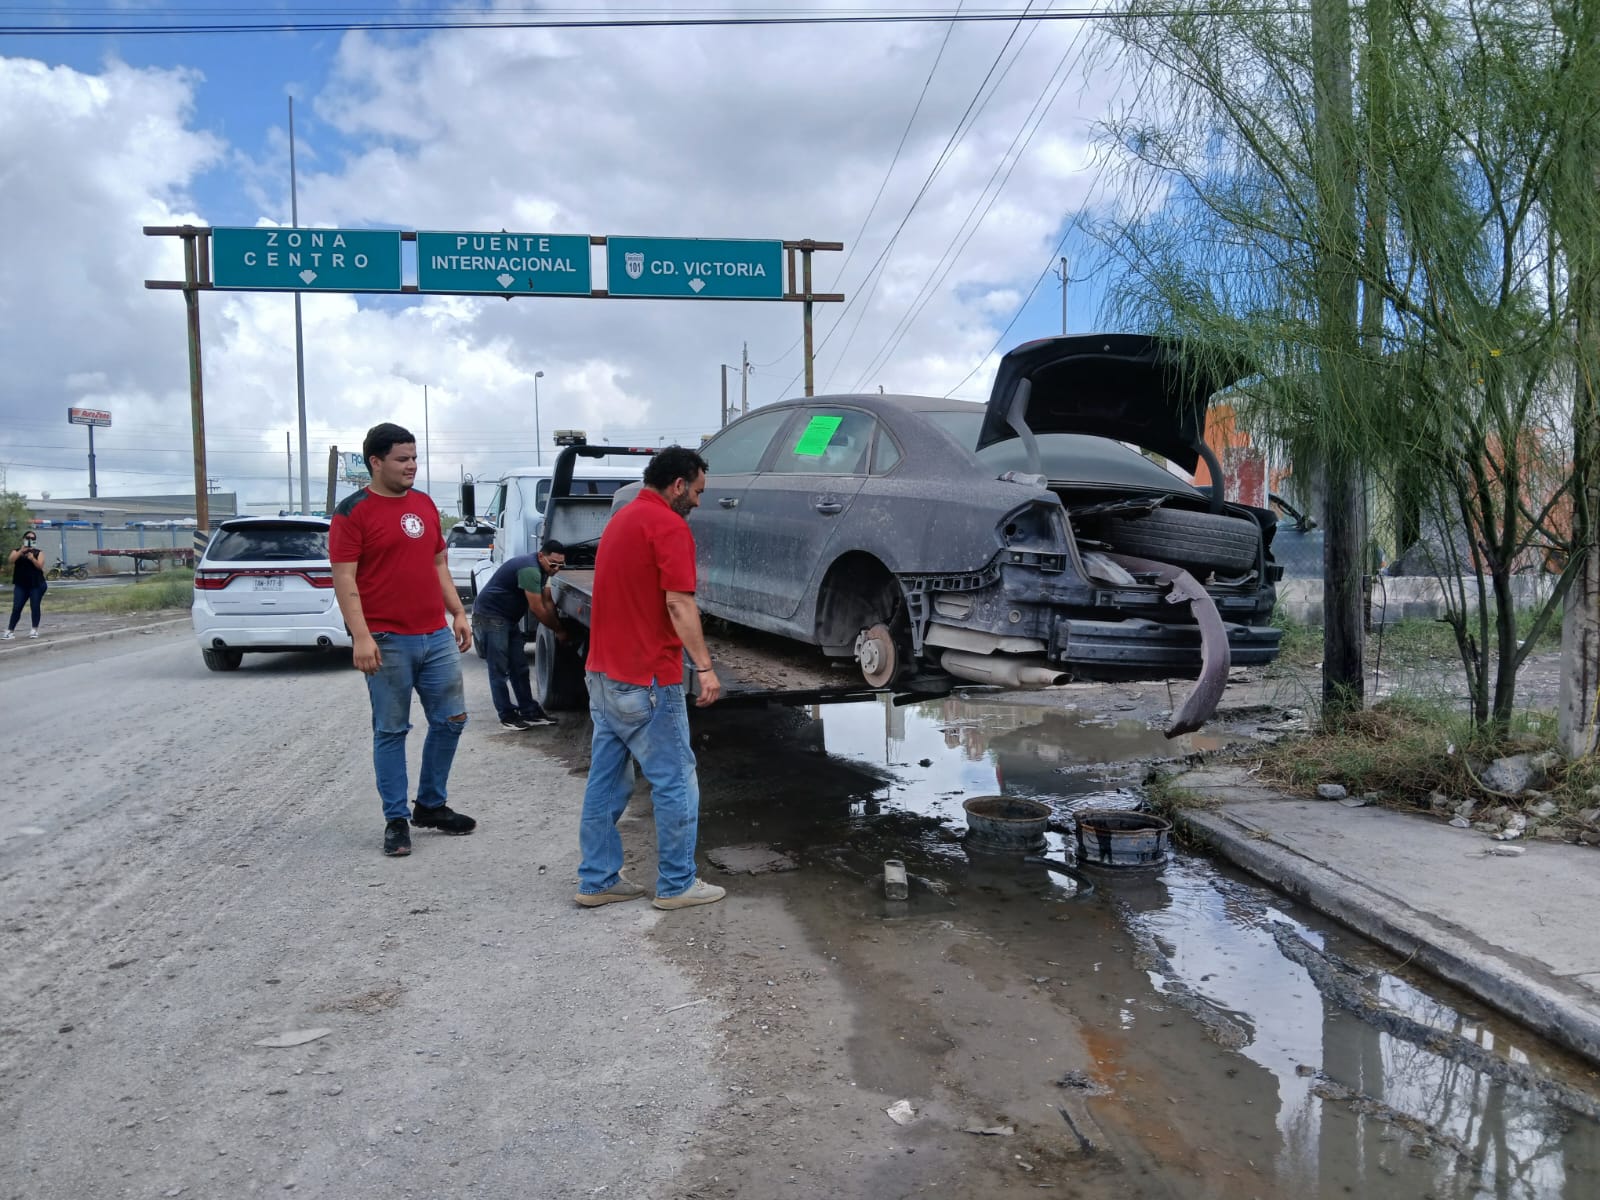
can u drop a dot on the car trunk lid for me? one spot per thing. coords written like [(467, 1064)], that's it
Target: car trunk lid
[(1132, 387)]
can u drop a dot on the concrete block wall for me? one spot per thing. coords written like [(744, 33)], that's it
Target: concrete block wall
[(73, 545), (1408, 597)]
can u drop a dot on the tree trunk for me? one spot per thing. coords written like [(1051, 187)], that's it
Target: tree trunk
[(1344, 546)]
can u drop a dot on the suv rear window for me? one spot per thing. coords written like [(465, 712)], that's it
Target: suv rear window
[(268, 543), (461, 538)]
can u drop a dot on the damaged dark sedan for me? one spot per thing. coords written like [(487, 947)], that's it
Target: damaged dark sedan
[(1017, 543)]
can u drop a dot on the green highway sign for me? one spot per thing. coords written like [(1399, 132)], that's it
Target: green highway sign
[(502, 264), (694, 268), (310, 260)]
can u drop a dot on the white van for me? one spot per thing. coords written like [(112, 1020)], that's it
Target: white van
[(516, 507)]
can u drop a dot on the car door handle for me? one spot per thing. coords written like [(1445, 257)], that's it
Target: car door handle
[(829, 508), (729, 502)]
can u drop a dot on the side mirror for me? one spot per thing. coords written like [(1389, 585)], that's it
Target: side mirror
[(469, 512)]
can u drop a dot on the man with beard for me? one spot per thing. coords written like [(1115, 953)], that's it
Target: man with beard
[(393, 586), (644, 615)]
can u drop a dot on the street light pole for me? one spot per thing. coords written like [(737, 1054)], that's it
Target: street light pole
[(538, 445)]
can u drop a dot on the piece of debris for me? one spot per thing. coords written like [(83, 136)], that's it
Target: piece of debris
[(992, 1130), (1466, 808), (1460, 822), (751, 859), (1331, 791), (1504, 851), (293, 1037), (1544, 809), (1438, 802), (901, 1112), (1514, 775), (1359, 801), (1513, 830), (894, 880)]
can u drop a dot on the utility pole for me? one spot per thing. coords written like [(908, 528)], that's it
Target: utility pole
[(744, 381), (299, 342), (333, 476), (724, 424), (1063, 294), (427, 443), (1344, 562), (288, 456)]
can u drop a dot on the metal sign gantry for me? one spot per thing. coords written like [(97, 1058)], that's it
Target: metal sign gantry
[(369, 261)]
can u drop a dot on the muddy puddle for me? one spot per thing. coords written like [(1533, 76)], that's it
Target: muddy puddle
[(1181, 1032)]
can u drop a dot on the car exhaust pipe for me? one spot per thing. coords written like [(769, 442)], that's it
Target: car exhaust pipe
[(218, 644), (1002, 670), (324, 642)]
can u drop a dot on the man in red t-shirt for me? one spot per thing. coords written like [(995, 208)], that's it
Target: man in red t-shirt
[(393, 586), (643, 617)]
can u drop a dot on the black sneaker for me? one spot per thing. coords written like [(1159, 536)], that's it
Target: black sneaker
[(514, 721), (535, 716), (397, 837), (442, 818)]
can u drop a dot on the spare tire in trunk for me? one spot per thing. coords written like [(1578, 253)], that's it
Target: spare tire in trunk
[(1199, 542)]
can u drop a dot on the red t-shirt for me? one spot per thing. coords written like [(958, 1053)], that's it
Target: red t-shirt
[(394, 541), (646, 552)]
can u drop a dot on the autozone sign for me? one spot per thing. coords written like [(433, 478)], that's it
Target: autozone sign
[(88, 416)]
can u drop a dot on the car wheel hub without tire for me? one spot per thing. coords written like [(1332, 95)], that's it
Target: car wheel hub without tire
[(876, 654)]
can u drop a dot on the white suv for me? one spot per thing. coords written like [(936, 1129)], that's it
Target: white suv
[(265, 583), (464, 545)]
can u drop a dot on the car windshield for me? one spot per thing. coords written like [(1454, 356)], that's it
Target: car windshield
[(269, 542), (461, 538), (1063, 457)]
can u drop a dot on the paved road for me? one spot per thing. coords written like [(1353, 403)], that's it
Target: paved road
[(191, 865)]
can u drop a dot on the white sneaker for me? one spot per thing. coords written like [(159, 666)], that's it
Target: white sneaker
[(33, 633), (700, 892), (7, 635)]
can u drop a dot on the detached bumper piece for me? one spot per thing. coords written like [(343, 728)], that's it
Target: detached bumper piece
[(1155, 644)]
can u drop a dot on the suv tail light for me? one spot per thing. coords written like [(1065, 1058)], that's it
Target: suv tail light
[(216, 580)]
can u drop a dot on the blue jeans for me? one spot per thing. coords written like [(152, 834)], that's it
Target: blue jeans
[(22, 597), (652, 724), (430, 664), (508, 664)]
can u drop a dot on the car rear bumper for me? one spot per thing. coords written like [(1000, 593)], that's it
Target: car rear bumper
[(1140, 647), (319, 636)]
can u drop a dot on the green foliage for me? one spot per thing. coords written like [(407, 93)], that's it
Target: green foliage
[(170, 589), (14, 516), (1455, 394)]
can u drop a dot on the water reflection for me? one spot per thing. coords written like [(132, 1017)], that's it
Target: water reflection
[(1316, 1101)]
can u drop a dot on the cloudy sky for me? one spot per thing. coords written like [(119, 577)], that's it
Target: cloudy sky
[(949, 159)]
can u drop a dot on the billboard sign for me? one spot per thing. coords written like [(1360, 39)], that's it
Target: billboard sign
[(88, 416)]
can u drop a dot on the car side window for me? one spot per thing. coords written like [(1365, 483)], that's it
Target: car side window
[(885, 454), (827, 441), (739, 449)]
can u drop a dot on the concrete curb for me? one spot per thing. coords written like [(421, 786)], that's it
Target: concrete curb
[(79, 639), (1519, 986)]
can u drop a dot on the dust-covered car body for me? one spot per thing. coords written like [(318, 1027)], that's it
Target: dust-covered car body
[(1015, 542)]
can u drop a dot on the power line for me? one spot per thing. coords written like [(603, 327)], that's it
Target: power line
[(1015, 317), (466, 21)]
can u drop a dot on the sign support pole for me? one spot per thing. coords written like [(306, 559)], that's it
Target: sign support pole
[(191, 301), (94, 488), (805, 289)]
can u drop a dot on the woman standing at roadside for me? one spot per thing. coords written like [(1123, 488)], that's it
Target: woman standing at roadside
[(27, 584)]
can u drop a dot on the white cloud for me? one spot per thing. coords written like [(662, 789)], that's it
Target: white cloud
[(705, 132)]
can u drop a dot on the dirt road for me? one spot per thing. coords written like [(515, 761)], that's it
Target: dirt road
[(192, 868)]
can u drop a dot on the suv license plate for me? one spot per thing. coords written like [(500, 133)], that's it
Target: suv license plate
[(269, 583)]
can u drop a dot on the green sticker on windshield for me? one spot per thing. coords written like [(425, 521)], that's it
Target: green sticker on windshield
[(815, 437)]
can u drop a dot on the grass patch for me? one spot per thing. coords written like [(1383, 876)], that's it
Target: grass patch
[(1405, 748), (168, 589)]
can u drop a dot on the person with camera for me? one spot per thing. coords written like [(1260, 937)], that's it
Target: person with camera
[(28, 584)]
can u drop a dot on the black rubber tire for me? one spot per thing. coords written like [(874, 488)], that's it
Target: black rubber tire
[(557, 674), (222, 660), (1199, 542)]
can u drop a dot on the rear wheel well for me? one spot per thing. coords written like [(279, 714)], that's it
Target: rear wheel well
[(857, 592)]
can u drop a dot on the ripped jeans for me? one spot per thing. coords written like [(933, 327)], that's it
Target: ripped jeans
[(430, 664)]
